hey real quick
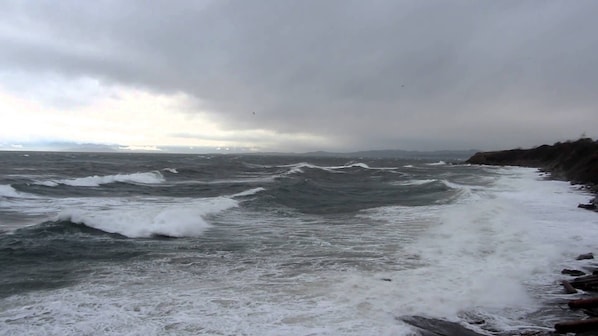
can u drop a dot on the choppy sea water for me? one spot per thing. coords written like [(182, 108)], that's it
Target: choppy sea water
[(157, 244)]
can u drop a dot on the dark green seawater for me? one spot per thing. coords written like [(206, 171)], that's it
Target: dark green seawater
[(164, 244)]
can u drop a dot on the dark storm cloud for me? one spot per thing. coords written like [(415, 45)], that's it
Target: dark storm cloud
[(369, 74)]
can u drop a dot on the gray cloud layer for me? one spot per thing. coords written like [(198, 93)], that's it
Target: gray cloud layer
[(368, 74)]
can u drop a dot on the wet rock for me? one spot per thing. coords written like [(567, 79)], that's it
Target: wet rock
[(530, 333), (587, 283), (589, 206), (435, 327), (585, 256), (572, 272), (569, 289), (589, 303), (577, 326), (590, 269)]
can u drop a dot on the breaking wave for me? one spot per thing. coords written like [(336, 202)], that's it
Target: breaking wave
[(249, 192), (153, 177), (298, 167), (142, 220), (9, 191)]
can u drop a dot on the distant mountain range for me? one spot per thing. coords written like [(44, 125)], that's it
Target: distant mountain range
[(380, 154)]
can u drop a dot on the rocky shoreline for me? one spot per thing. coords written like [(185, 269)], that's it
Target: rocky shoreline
[(581, 280), (574, 161)]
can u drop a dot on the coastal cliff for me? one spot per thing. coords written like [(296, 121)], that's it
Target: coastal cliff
[(575, 161)]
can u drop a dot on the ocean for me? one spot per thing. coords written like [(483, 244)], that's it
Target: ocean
[(165, 244)]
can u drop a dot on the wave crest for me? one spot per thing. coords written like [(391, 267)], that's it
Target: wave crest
[(153, 177), (249, 192), (298, 167), (6, 190), (150, 220)]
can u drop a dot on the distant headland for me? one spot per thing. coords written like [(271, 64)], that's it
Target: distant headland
[(575, 161)]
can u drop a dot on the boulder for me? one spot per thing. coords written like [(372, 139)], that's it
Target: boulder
[(435, 327), (589, 206), (585, 256), (573, 272)]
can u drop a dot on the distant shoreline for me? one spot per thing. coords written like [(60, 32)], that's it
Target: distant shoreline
[(574, 161)]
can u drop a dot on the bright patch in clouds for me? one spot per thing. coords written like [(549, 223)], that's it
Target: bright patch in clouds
[(86, 112)]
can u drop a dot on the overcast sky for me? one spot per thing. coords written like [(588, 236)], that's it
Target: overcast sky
[(299, 75)]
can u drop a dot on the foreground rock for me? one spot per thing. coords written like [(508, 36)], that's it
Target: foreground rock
[(426, 326), (588, 304), (573, 272), (586, 283), (435, 327)]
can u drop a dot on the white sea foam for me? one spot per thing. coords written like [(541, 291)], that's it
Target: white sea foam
[(439, 163), (249, 192), (146, 219), (171, 170), (163, 300), (493, 252), (153, 177)]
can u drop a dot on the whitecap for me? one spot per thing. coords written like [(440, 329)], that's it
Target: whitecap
[(249, 192), (146, 220), (439, 163), (153, 177), (7, 190)]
